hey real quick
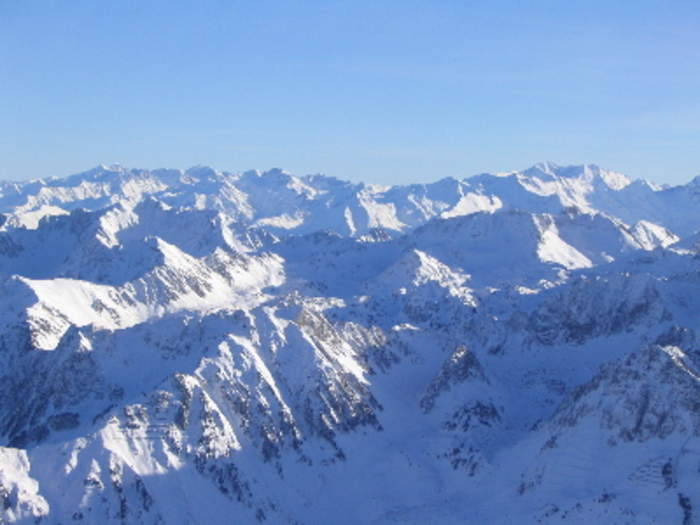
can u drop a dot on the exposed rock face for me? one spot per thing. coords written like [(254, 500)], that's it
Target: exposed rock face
[(199, 347)]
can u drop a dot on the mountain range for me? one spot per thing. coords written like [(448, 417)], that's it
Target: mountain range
[(208, 347)]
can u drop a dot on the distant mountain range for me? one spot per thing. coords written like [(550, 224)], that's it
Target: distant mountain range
[(205, 347)]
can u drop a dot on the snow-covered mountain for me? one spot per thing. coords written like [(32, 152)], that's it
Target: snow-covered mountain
[(206, 347)]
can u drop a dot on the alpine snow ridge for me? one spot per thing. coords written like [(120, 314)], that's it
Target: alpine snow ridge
[(205, 347)]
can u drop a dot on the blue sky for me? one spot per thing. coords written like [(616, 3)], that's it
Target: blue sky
[(383, 91)]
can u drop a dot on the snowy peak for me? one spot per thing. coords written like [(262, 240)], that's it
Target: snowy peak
[(277, 200), (589, 173)]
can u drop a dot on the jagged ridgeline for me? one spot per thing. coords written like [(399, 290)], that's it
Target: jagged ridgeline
[(206, 347)]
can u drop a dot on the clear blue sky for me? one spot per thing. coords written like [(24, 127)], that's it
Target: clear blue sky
[(381, 91)]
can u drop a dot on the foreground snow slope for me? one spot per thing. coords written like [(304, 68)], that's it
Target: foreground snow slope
[(205, 347)]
